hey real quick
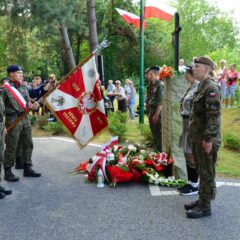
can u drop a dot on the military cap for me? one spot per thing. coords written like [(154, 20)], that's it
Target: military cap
[(204, 60), (13, 68), (154, 68)]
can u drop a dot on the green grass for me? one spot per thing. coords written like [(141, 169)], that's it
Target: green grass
[(228, 164)]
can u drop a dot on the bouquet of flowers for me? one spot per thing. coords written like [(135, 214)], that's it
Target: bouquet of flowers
[(127, 163), (166, 72)]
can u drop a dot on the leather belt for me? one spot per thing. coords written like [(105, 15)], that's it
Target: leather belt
[(185, 116)]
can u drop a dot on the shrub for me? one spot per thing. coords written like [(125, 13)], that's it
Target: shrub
[(32, 119), (146, 132), (42, 121), (117, 124), (55, 127), (231, 141)]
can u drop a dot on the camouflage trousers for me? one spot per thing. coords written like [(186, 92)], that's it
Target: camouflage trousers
[(21, 133), (205, 165), (156, 129), (1, 145)]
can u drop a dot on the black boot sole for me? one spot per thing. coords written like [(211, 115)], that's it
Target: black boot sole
[(2, 195), (29, 175), (6, 192), (11, 180), (203, 214)]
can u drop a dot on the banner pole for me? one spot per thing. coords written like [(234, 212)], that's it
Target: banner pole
[(141, 88), (50, 91)]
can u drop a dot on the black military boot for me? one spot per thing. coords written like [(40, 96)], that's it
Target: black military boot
[(9, 176), (29, 172), (191, 205), (5, 190), (2, 195), (19, 164), (199, 212)]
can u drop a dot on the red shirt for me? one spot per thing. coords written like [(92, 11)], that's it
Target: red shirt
[(231, 77)]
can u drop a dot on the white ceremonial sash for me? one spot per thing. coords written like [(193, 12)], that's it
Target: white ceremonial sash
[(17, 96)]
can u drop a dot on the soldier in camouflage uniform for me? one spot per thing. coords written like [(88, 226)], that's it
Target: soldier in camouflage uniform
[(154, 101), (22, 131), (205, 121), (3, 190)]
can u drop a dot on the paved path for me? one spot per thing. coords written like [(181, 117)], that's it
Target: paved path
[(62, 206)]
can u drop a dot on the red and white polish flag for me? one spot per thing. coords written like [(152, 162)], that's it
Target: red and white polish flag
[(130, 18), (78, 103), (156, 9)]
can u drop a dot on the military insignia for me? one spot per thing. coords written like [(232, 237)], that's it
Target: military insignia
[(59, 101), (87, 103)]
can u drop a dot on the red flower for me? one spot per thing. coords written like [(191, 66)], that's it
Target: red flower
[(119, 175), (166, 72)]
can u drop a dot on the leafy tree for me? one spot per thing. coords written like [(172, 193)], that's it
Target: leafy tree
[(204, 28)]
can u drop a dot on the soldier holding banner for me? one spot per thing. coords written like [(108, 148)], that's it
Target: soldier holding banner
[(16, 101)]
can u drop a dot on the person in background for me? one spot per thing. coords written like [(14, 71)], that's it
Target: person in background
[(127, 88), (154, 100), (110, 88), (181, 67), (4, 80), (132, 100), (120, 95), (231, 78), (185, 141), (221, 74)]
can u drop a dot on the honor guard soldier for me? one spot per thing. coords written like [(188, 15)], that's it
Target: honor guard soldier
[(205, 122), (154, 102), (16, 101), (3, 191)]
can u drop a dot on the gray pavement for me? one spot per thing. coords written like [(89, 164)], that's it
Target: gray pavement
[(63, 206)]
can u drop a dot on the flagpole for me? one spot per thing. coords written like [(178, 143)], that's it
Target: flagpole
[(141, 88), (51, 90)]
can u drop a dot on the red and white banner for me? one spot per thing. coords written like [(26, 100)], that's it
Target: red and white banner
[(156, 9), (130, 18), (78, 103), (16, 95)]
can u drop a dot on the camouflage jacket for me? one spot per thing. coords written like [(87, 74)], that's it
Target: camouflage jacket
[(2, 108), (12, 108), (205, 115), (154, 98)]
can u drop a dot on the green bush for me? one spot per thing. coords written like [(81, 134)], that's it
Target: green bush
[(231, 142), (55, 127), (33, 119), (117, 124), (146, 132), (42, 121)]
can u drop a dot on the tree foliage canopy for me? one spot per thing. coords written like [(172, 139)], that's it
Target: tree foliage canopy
[(29, 35)]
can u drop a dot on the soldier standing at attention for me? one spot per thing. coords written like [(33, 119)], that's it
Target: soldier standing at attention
[(16, 101), (205, 121), (3, 191), (154, 101)]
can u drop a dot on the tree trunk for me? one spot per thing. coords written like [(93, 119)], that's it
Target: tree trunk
[(69, 58), (93, 38), (77, 55)]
